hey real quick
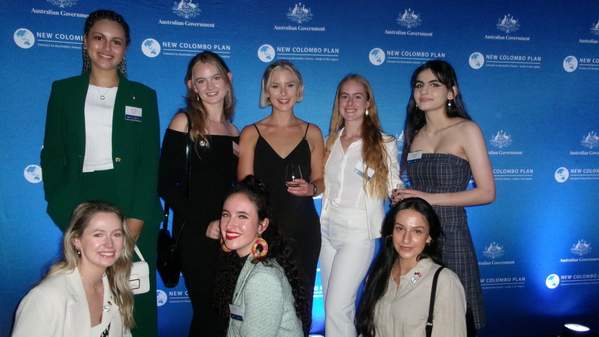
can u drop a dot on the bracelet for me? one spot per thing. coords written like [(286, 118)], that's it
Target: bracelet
[(314, 189)]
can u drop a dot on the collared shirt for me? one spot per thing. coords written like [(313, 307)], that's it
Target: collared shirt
[(343, 176), (403, 309)]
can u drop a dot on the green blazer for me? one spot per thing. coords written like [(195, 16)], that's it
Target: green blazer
[(263, 304), (135, 150)]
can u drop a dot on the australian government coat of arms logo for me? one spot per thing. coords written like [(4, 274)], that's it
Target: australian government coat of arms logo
[(63, 3), (508, 24), (501, 139), (299, 13), (409, 19), (580, 248), (595, 28), (590, 140), (186, 9)]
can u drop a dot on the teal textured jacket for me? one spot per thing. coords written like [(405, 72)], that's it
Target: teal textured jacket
[(263, 304), (135, 150)]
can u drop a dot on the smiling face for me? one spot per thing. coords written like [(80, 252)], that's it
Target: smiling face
[(430, 94), (209, 83), (239, 223), (283, 89), (105, 44), (353, 101), (102, 241), (410, 235)]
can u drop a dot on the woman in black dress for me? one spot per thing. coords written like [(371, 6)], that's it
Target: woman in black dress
[(268, 148), (196, 198), (443, 149)]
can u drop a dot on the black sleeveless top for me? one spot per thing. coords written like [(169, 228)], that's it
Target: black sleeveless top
[(295, 216)]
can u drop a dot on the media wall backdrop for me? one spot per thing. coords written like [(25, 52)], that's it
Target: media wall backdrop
[(529, 73)]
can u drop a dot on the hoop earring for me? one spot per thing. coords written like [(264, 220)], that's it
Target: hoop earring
[(86, 61), (259, 249), (122, 67)]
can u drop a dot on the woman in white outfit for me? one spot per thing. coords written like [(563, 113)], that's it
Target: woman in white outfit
[(360, 172), (86, 293)]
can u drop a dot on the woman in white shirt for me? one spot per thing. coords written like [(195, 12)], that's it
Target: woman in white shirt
[(398, 289), (87, 293), (360, 172)]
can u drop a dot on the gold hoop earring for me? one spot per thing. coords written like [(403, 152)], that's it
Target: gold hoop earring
[(259, 249)]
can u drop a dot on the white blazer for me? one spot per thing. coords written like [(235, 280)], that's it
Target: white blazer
[(375, 207), (57, 307)]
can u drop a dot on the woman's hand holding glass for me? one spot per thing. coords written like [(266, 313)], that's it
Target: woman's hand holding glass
[(294, 180)]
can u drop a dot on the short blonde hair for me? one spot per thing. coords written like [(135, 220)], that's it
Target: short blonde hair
[(277, 65)]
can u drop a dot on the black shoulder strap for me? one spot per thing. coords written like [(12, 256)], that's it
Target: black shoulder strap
[(431, 308), (258, 130), (307, 127)]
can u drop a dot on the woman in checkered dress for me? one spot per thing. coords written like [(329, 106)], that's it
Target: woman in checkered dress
[(444, 149)]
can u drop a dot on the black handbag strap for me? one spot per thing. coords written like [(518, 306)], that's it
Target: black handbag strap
[(431, 308), (167, 207)]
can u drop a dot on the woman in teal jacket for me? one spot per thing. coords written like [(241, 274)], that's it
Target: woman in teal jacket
[(268, 293), (102, 143)]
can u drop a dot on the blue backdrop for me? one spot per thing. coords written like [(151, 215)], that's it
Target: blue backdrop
[(529, 73)]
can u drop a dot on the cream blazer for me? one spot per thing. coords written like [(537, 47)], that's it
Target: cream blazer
[(57, 307), (375, 207)]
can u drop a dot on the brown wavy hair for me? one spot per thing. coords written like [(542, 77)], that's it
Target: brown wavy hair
[(373, 147)]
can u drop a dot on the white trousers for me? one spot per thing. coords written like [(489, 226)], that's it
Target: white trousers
[(345, 256)]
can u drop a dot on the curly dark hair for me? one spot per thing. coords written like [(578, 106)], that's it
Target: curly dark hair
[(380, 271), (278, 250)]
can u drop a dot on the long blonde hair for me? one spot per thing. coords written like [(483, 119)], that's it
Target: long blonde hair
[(374, 154), (118, 273)]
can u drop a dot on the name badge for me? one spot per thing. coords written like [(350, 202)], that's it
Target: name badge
[(359, 170), (236, 312), (132, 113), (414, 155)]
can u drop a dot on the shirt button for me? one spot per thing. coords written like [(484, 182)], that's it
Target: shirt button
[(117, 159)]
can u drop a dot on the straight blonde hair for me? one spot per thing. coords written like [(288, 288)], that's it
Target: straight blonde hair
[(374, 154)]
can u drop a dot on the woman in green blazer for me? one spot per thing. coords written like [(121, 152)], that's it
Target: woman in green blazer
[(268, 293), (102, 143)]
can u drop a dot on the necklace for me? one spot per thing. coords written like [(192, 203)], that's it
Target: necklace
[(102, 92)]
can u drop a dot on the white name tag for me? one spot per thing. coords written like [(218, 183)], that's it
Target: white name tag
[(414, 155), (132, 113), (359, 169), (236, 312)]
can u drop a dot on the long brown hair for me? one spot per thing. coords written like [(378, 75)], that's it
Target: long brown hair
[(373, 147), (195, 107)]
